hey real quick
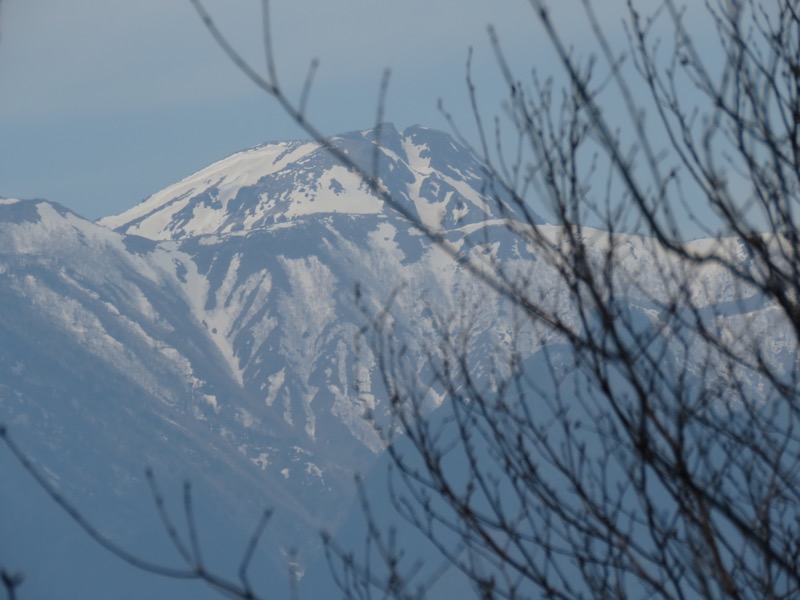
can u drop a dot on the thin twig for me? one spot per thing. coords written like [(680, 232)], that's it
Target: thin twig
[(312, 69), (251, 547), (377, 130)]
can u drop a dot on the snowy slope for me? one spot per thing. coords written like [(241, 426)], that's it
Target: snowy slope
[(104, 370)]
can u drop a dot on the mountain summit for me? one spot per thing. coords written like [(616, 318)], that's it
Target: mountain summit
[(435, 179)]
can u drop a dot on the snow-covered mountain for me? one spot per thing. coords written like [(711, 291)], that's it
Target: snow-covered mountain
[(214, 333)]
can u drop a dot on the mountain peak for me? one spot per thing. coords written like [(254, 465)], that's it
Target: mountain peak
[(276, 184), (36, 226)]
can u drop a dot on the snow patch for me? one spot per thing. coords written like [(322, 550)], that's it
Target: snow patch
[(275, 383), (261, 461), (312, 469), (211, 400)]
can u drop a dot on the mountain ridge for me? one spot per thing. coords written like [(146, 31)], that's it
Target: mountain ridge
[(260, 187)]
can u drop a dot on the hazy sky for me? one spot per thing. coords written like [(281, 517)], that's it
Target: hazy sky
[(103, 102)]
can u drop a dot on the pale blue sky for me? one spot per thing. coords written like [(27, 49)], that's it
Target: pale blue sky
[(103, 102)]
